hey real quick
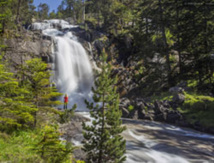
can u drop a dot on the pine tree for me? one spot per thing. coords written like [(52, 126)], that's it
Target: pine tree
[(36, 79), (6, 15), (15, 111), (103, 142), (51, 148)]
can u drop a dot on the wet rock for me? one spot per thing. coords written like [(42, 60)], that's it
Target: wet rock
[(45, 37)]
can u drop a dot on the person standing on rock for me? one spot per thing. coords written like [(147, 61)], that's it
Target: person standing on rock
[(66, 101)]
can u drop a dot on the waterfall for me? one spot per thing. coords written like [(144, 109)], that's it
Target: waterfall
[(72, 69)]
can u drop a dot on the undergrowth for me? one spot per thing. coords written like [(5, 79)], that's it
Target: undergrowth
[(198, 108)]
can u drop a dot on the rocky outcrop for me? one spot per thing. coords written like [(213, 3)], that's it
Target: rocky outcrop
[(26, 46), (158, 111)]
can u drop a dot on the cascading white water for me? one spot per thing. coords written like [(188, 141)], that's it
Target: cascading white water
[(74, 74), (72, 69)]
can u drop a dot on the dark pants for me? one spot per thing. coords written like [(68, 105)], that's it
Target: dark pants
[(65, 105)]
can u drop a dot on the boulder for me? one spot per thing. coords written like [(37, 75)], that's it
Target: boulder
[(176, 90), (173, 117), (125, 113), (141, 110), (158, 107), (134, 114), (125, 102), (161, 117), (178, 98)]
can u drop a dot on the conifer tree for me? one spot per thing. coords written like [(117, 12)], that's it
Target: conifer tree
[(15, 111), (103, 142), (6, 15), (36, 79), (50, 147)]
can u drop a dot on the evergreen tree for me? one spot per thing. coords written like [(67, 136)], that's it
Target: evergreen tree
[(103, 142), (36, 79), (52, 15), (6, 15), (51, 148), (43, 10), (15, 110)]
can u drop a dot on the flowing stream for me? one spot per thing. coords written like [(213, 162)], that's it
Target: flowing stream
[(146, 141)]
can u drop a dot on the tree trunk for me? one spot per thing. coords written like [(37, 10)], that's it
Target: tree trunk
[(18, 11), (166, 48), (178, 37), (102, 130), (83, 12)]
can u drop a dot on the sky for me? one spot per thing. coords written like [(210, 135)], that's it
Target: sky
[(53, 4)]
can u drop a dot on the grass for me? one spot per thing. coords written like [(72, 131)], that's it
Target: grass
[(19, 147)]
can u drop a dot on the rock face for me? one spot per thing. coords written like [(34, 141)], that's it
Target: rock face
[(27, 46)]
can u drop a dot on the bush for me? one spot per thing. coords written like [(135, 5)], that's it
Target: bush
[(130, 108), (199, 108)]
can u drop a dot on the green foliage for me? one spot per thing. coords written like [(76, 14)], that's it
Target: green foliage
[(18, 148), (50, 148), (138, 71), (67, 114), (35, 78), (5, 14), (43, 10), (198, 102), (103, 142), (162, 96), (79, 161), (172, 58), (52, 15), (160, 28), (15, 111), (41, 145), (130, 108), (199, 108), (72, 8)]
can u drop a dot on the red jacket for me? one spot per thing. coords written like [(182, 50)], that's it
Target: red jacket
[(66, 99)]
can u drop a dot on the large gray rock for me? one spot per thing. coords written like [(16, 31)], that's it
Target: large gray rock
[(159, 108), (178, 98), (29, 45), (176, 90), (173, 117), (125, 112)]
